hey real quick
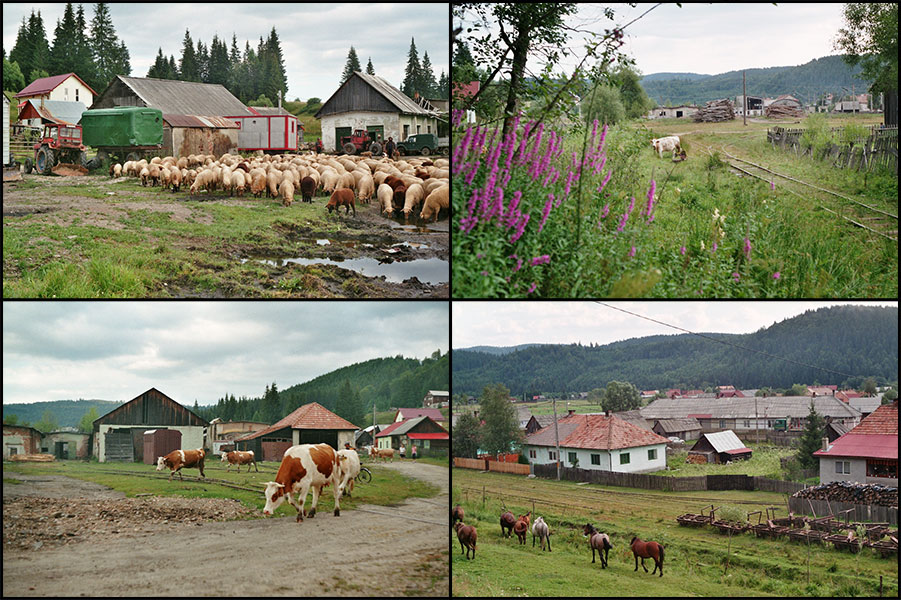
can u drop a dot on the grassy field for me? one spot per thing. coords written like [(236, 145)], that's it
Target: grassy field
[(764, 462), (387, 486), (707, 233), (698, 562)]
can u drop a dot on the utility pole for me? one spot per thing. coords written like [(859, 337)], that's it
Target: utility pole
[(744, 101), (556, 439), (756, 420)]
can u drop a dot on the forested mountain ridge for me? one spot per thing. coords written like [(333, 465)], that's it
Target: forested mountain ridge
[(858, 340), (805, 82), (68, 413)]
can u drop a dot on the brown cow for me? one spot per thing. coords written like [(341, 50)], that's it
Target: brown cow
[(239, 458), (178, 459), (383, 453)]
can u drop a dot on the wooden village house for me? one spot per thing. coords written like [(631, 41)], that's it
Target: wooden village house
[(427, 434), (718, 448)]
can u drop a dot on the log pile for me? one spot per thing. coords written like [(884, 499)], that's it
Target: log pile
[(714, 111), (32, 458), (854, 493), (779, 111)]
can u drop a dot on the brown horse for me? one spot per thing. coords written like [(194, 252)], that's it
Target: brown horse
[(597, 541), (456, 514), (507, 522), (467, 536), (648, 550), (521, 527)]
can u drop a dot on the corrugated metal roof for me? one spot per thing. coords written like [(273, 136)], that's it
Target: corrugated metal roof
[(743, 408), (676, 425), (867, 405), (394, 95), (412, 413), (270, 111), (428, 436), (185, 97), (199, 121), (390, 428), (863, 445), (724, 441), (57, 110)]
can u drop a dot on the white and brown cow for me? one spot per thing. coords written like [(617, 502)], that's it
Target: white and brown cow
[(239, 458), (666, 144), (178, 459), (303, 467), (383, 453), (350, 468)]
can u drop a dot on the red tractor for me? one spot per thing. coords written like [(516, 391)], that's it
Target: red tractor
[(359, 142), (60, 143)]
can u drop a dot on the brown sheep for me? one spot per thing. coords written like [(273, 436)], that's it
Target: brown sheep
[(286, 191), (435, 201), (399, 193), (308, 188), (341, 198), (175, 180)]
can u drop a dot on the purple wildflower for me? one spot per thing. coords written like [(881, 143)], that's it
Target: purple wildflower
[(540, 260), (682, 250), (632, 252), (776, 275), (547, 211), (736, 277), (533, 287), (715, 246), (606, 211), (773, 186), (747, 248)]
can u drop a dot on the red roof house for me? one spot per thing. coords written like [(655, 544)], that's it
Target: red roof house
[(310, 424), (68, 87), (866, 454)]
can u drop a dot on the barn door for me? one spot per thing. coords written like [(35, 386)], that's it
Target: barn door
[(61, 450), (339, 133), (119, 446)]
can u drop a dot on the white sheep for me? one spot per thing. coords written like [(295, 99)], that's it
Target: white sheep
[(412, 198), (435, 201), (286, 191), (385, 194)]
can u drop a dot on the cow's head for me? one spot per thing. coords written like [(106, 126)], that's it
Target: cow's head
[(275, 495), (654, 143), (160, 463), (224, 457)]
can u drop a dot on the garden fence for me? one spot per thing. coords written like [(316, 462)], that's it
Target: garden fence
[(878, 149), (860, 512)]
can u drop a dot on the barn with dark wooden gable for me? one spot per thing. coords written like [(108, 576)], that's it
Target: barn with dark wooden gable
[(119, 434)]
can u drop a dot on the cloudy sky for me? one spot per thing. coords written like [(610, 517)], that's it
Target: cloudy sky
[(201, 350), (513, 323), (315, 38), (713, 38)]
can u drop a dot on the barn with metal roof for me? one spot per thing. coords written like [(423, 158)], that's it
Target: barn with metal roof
[(370, 103), (720, 447)]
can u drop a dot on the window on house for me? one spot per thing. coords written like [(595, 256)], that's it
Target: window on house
[(552, 454), (76, 94), (652, 454), (595, 459), (882, 468), (843, 467), (624, 458), (722, 424), (747, 424), (572, 457), (532, 454)]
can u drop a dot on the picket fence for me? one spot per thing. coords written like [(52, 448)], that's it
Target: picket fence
[(860, 512), (878, 149)]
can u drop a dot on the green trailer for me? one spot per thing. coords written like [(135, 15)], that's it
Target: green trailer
[(123, 133)]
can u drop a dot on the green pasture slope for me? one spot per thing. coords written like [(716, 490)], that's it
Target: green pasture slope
[(697, 562), (387, 486)]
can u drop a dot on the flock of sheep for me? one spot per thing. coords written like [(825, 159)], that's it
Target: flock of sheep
[(401, 186)]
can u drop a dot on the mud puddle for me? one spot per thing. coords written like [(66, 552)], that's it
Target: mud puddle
[(433, 271)]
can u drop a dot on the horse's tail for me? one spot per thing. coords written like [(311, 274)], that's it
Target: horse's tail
[(607, 544), (661, 554)]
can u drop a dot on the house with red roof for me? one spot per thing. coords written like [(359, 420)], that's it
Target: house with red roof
[(68, 87), (310, 424), (598, 441), (403, 414), (866, 454), (427, 435)]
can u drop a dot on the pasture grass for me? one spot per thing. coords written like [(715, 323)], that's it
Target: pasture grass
[(695, 562), (386, 488), (764, 462)]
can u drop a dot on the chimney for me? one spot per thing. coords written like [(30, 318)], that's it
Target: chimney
[(825, 444), (606, 413), (570, 412)]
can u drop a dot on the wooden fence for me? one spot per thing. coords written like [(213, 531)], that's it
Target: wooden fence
[(471, 463), (860, 512), (878, 149), (508, 467), (765, 484)]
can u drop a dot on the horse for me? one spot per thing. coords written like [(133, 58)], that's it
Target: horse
[(507, 522), (647, 550), (540, 528), (522, 526), (467, 536), (597, 541), (456, 514)]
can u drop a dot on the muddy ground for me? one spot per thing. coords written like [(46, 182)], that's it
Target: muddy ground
[(177, 547), (371, 255)]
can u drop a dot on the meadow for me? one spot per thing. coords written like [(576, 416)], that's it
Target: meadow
[(592, 211), (697, 562)]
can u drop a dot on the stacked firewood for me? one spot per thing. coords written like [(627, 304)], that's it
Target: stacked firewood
[(32, 458), (854, 493), (777, 111), (715, 110)]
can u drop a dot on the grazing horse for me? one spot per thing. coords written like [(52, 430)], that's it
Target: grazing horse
[(648, 550), (507, 522), (597, 541), (521, 527), (540, 528), (467, 536), (456, 515)]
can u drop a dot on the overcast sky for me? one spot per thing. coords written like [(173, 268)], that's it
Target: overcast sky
[(315, 38), (712, 38), (201, 350), (513, 323)]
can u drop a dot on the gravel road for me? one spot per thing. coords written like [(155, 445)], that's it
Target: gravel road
[(399, 550)]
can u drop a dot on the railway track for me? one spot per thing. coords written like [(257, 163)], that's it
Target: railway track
[(874, 219)]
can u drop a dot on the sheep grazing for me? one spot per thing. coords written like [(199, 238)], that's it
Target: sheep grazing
[(273, 179), (154, 169), (164, 177), (435, 201), (239, 181), (399, 193), (346, 181), (308, 189), (329, 181), (385, 193), (286, 191), (365, 188), (144, 175), (341, 198), (175, 179), (412, 198), (258, 185)]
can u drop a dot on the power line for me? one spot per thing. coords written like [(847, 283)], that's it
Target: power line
[(707, 337)]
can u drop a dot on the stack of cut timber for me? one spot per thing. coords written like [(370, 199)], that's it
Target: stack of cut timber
[(776, 111), (854, 493), (715, 110), (32, 458)]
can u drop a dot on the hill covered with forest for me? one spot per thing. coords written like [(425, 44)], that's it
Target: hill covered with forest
[(805, 82), (858, 340), (66, 412)]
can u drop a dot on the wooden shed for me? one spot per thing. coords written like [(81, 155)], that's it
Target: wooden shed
[(310, 424), (119, 434), (720, 447), (371, 103)]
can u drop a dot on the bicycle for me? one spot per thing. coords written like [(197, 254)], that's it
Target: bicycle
[(364, 476)]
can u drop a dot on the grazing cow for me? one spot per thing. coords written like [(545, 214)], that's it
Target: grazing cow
[(467, 536), (239, 458), (178, 459), (667, 144), (303, 467), (383, 453), (350, 468)]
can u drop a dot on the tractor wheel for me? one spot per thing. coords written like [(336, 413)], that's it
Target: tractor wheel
[(29, 166), (83, 159), (375, 148), (349, 148), (426, 151), (44, 160)]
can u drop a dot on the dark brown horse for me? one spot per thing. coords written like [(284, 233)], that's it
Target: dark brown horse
[(507, 522), (456, 514), (467, 536), (598, 541), (645, 550), (521, 527)]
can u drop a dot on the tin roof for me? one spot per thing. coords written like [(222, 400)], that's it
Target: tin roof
[(412, 413), (270, 111), (863, 445), (308, 416), (57, 110), (743, 408), (724, 441), (595, 431), (393, 95), (46, 85), (185, 97), (405, 426), (390, 428), (199, 121), (428, 436), (677, 425)]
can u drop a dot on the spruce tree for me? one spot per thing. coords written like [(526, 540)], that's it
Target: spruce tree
[(219, 62), (84, 56), (41, 58), (203, 62), (62, 52), (22, 51), (811, 440), (351, 66), (428, 85), (110, 55), (413, 72), (187, 69), (370, 70), (159, 67), (277, 76), (443, 91)]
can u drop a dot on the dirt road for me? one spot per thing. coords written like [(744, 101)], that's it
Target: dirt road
[(399, 550)]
